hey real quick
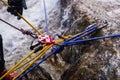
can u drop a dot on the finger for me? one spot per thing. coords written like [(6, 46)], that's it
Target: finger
[(8, 9), (20, 10), (24, 4)]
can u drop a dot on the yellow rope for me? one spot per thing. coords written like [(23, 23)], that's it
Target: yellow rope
[(17, 65), (34, 59), (57, 42), (6, 4), (61, 40), (11, 69), (25, 63), (27, 67), (29, 23)]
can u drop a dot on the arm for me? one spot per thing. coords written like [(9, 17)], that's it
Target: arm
[(24, 4)]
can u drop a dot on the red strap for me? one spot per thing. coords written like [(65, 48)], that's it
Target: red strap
[(3, 72), (10, 76)]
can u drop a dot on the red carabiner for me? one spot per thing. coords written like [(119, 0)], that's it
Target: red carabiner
[(46, 39)]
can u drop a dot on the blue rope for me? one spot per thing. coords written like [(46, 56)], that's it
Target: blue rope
[(70, 42), (46, 19), (88, 31), (59, 49), (90, 39), (85, 34), (56, 50)]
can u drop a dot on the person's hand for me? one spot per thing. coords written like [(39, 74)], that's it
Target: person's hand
[(16, 6)]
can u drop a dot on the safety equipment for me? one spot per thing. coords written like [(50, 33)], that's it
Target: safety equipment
[(46, 39), (16, 6)]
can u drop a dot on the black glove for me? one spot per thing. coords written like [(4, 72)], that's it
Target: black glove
[(16, 6)]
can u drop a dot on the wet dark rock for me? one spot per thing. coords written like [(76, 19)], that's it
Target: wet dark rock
[(40, 73)]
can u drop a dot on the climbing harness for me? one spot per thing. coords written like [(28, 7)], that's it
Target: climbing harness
[(45, 42)]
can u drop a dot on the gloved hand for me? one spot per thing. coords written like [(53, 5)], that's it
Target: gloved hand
[(16, 6)]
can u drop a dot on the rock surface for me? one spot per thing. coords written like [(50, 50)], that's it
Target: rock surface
[(96, 60)]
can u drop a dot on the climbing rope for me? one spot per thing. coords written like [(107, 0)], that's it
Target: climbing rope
[(46, 19), (69, 42), (28, 66), (90, 39), (21, 30), (47, 42), (33, 27), (72, 41), (10, 24), (40, 61), (59, 47), (11, 69)]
